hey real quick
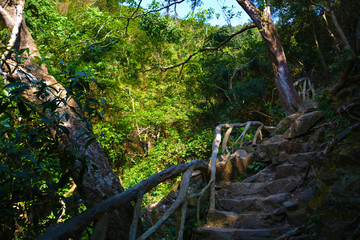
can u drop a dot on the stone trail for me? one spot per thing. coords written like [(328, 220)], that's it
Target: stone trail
[(269, 203)]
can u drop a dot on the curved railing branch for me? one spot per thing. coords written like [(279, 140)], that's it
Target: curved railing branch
[(216, 144), (76, 224), (136, 193)]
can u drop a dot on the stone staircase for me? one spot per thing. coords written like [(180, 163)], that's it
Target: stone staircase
[(267, 204)]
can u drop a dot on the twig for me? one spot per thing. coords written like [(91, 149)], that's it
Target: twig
[(71, 190), (265, 115), (132, 17), (294, 231)]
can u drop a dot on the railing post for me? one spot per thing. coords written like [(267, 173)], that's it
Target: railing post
[(137, 209), (215, 150)]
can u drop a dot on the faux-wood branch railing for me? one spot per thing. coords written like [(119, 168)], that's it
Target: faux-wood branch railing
[(216, 145), (99, 212), (136, 193)]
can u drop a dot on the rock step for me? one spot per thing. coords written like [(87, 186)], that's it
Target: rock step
[(273, 150), (204, 233), (253, 220), (253, 204), (288, 169), (281, 171), (242, 190), (262, 176), (301, 158)]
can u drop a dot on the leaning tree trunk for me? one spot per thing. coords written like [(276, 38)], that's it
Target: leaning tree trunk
[(98, 182), (268, 30)]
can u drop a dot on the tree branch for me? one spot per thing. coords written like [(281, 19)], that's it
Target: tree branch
[(132, 17), (247, 27)]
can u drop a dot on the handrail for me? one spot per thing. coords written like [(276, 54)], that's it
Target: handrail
[(136, 193), (216, 144), (76, 224), (305, 89)]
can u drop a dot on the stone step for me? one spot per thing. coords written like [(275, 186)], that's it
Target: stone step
[(265, 174), (273, 150), (288, 170), (242, 190), (253, 220), (204, 233), (301, 158), (253, 204)]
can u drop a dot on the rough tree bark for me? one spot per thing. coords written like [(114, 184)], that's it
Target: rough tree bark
[(98, 182), (268, 31)]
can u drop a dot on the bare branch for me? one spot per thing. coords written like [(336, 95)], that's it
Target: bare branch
[(247, 27), (132, 17)]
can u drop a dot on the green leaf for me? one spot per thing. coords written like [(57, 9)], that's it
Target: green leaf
[(90, 141), (23, 110)]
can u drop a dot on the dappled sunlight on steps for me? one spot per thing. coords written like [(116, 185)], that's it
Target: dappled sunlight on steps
[(266, 204)]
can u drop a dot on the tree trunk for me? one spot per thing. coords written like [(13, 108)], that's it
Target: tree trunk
[(321, 56), (98, 182), (344, 39), (288, 96)]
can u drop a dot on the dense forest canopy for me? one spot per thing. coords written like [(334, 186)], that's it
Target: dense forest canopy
[(149, 87)]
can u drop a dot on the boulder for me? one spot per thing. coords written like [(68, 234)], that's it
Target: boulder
[(284, 124), (302, 124)]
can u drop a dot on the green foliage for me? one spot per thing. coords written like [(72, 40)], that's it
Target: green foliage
[(103, 60), (218, 36), (325, 102), (159, 28), (34, 174), (275, 110), (256, 166)]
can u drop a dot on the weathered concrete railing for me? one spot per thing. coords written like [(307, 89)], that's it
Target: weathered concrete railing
[(216, 145), (136, 193), (305, 88)]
